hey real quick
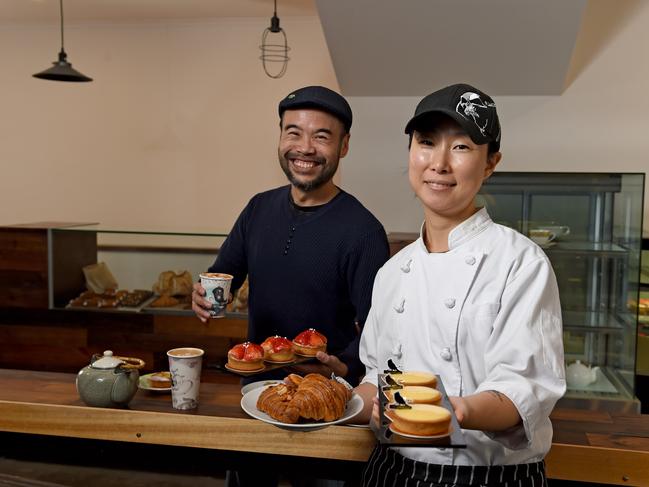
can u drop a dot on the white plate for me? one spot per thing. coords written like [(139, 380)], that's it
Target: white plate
[(249, 405), (254, 385), (418, 437), (143, 383)]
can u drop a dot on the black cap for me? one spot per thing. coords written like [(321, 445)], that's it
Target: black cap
[(320, 98), (474, 110)]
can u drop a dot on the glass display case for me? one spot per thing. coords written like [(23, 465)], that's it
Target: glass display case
[(100, 268), (590, 226)]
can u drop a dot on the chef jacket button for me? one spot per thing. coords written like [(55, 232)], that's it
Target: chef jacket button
[(449, 303), (446, 354), (470, 260)]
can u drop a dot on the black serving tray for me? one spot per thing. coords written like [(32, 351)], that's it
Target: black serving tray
[(455, 439), (268, 366)]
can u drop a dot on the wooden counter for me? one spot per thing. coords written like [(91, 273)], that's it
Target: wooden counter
[(588, 446)]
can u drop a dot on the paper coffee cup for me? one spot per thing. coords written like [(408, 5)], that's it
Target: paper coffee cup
[(217, 291), (185, 366)]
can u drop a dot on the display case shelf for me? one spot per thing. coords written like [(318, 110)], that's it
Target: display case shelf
[(597, 222)]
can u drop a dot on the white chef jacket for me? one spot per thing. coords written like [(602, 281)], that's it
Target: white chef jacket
[(483, 316)]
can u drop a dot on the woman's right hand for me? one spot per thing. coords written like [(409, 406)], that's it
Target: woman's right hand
[(200, 305)]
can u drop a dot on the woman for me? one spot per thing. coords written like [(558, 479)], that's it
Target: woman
[(472, 301)]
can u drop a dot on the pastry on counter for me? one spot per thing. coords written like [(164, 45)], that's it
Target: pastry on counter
[(312, 397), (160, 380)]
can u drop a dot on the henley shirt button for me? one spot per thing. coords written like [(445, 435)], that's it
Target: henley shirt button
[(292, 229), (449, 303), (446, 354), (286, 252), (470, 260)]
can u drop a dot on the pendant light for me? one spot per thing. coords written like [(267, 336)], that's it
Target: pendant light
[(62, 69), (274, 53)]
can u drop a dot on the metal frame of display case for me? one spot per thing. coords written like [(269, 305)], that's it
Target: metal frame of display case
[(607, 251)]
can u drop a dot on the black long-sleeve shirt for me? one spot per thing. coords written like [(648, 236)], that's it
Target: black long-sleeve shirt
[(306, 269)]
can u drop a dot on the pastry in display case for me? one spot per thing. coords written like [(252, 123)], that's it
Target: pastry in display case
[(590, 227), (147, 271)]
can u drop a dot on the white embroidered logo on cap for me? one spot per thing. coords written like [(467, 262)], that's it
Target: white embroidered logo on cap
[(470, 106)]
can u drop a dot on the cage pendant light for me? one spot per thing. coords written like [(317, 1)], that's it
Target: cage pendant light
[(274, 51), (62, 69)]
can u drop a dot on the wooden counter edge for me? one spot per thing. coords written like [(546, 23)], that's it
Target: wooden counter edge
[(184, 429), (564, 461), (586, 463)]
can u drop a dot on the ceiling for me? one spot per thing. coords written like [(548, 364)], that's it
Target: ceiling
[(37, 11), (507, 47), (386, 47)]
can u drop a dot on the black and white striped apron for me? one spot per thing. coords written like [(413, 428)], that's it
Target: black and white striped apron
[(387, 468)]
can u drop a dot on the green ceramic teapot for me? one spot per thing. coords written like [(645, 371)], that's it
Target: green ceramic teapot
[(109, 381)]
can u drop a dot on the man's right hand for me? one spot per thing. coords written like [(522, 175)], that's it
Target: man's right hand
[(200, 305)]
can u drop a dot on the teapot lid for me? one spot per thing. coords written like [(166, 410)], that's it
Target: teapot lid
[(107, 361)]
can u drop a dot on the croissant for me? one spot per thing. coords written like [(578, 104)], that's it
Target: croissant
[(312, 397)]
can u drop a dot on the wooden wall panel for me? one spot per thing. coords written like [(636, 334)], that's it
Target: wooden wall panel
[(43, 335), (234, 328), (23, 268)]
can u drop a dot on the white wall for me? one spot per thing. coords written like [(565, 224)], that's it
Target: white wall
[(599, 124), (178, 130)]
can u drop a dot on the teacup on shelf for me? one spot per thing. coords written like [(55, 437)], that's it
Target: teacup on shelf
[(542, 236), (558, 230)]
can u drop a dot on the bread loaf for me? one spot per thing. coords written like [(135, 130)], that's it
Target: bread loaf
[(313, 397), (174, 283)]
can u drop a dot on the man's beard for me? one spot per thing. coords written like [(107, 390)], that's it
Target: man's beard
[(322, 178)]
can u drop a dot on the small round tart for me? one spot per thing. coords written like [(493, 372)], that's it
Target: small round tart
[(421, 419), (160, 380), (415, 379), (416, 395), (246, 356), (309, 343), (278, 349)]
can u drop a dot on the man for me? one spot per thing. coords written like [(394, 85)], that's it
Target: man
[(310, 250)]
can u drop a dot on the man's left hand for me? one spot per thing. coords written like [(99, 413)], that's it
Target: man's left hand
[(328, 364)]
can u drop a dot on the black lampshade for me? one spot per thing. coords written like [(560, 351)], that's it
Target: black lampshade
[(62, 71)]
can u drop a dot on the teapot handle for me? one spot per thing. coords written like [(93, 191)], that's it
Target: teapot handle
[(131, 362)]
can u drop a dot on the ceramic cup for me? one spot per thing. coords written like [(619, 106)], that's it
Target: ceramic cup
[(541, 236), (558, 230), (185, 367), (217, 291)]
